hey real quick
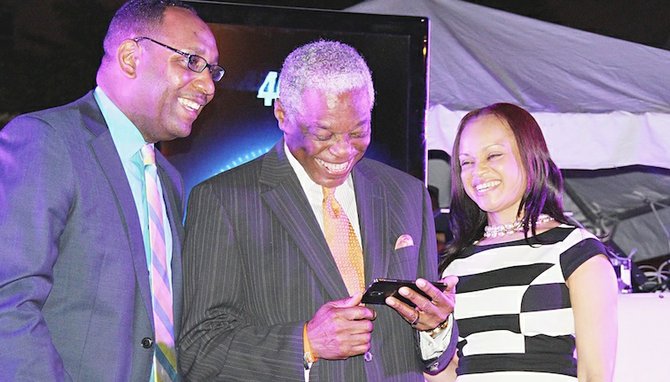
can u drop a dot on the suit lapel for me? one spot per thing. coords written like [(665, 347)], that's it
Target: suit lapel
[(372, 217), (108, 158), (287, 200)]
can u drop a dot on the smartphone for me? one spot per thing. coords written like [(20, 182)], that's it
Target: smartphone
[(380, 289)]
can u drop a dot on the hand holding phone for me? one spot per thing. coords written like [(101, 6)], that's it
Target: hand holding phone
[(382, 288)]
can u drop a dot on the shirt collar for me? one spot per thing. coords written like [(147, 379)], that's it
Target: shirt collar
[(127, 138)]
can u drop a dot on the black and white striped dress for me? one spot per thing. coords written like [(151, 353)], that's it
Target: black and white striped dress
[(513, 307)]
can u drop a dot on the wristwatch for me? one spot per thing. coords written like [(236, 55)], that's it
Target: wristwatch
[(439, 328)]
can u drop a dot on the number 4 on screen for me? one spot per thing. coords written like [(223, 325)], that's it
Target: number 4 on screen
[(269, 89)]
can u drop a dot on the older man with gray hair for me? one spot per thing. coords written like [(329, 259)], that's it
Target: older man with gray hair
[(279, 250)]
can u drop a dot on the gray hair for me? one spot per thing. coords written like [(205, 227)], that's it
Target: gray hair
[(330, 66)]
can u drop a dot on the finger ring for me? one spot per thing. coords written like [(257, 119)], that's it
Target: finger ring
[(416, 319)]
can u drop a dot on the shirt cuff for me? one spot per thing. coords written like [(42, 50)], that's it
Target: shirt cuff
[(434, 347)]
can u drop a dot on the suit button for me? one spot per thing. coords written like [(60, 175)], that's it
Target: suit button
[(367, 356), (147, 342)]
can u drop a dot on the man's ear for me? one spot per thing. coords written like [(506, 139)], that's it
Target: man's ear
[(127, 57), (279, 114)]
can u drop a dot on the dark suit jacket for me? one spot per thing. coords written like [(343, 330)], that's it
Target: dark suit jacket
[(75, 301), (257, 266)]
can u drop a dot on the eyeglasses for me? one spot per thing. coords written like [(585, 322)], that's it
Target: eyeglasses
[(195, 62)]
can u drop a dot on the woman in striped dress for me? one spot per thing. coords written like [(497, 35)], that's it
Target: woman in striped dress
[(536, 297)]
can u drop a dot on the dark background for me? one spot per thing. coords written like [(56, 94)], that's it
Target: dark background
[(52, 48)]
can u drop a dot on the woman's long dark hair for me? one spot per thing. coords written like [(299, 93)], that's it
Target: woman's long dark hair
[(544, 188)]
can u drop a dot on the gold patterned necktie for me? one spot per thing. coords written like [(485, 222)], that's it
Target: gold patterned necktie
[(343, 243), (165, 361)]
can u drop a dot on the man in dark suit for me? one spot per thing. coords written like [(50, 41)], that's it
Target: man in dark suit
[(267, 295), (78, 261)]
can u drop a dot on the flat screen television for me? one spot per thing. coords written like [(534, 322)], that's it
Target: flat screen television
[(253, 40)]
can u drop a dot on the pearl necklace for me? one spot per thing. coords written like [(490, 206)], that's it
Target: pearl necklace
[(510, 228)]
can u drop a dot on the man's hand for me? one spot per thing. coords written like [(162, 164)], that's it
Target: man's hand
[(429, 312), (341, 329)]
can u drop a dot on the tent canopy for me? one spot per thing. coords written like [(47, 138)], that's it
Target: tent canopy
[(481, 55), (603, 104)]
